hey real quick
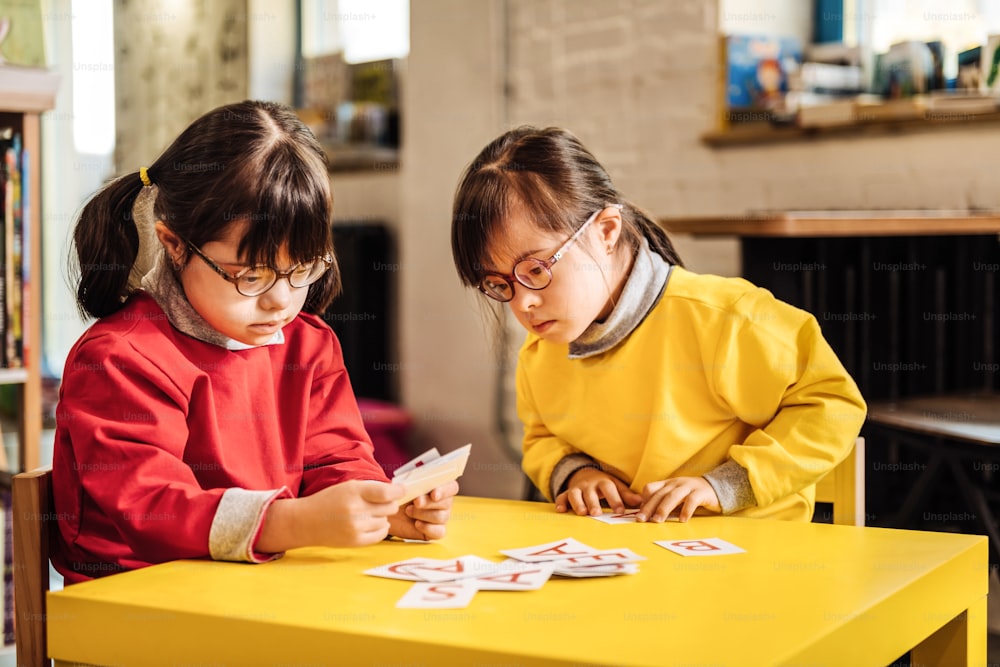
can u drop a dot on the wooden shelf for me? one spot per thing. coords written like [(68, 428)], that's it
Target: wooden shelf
[(13, 375), (361, 157), (747, 134), (24, 94), (800, 224), (27, 89)]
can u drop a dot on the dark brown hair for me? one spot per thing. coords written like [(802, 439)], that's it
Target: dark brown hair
[(249, 161), (549, 173)]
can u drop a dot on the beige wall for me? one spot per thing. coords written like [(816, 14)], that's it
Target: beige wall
[(452, 106), (173, 62)]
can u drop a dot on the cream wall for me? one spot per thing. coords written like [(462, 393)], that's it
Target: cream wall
[(452, 105), (173, 62)]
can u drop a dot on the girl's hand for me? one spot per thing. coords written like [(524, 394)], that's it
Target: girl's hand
[(424, 518), (660, 499), (351, 514), (586, 488)]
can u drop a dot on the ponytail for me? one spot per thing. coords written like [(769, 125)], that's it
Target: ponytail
[(659, 241), (107, 244)]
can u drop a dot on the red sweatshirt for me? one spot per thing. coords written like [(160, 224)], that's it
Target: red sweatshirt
[(153, 426)]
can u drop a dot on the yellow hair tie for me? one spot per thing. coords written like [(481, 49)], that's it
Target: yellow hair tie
[(144, 177)]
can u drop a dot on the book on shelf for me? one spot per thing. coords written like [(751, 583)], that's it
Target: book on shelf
[(24, 348), (756, 71), (833, 53), (970, 69), (874, 108), (827, 112), (990, 66), (829, 79), (905, 70), (959, 102), (12, 219)]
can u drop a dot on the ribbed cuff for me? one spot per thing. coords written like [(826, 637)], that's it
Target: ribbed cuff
[(565, 469), (237, 522), (732, 485)]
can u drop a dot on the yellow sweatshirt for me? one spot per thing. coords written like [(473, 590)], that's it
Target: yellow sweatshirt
[(719, 369)]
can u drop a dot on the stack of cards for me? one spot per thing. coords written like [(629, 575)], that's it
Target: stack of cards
[(451, 584), (429, 471)]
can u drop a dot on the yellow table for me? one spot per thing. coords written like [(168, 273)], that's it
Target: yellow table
[(803, 593)]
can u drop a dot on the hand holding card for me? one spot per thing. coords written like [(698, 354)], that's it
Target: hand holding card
[(429, 471)]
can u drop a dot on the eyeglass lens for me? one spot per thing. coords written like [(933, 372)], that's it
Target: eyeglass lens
[(259, 279)]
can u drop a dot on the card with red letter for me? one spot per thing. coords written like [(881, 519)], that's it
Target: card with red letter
[(428, 471), (418, 461), (442, 595), (709, 546), (514, 575), (436, 570), (401, 570), (464, 567), (557, 550), (600, 558)]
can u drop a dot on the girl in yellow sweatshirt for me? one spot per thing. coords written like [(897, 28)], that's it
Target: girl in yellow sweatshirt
[(640, 383)]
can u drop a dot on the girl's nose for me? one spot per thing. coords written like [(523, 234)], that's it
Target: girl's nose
[(525, 299), (279, 296)]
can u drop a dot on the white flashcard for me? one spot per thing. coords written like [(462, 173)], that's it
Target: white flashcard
[(557, 550), (431, 473), (418, 461), (628, 516), (465, 567), (401, 569), (441, 595), (514, 575), (611, 557), (597, 570), (708, 546)]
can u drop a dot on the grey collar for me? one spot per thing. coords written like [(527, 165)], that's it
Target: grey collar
[(642, 291), (161, 284)]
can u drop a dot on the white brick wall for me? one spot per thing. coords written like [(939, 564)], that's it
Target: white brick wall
[(636, 82)]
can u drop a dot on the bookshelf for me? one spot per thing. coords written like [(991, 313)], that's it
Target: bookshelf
[(746, 134), (25, 93)]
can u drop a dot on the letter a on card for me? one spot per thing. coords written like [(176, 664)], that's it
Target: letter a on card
[(708, 546), (551, 551)]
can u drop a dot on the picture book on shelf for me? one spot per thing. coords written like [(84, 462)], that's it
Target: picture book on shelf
[(758, 69)]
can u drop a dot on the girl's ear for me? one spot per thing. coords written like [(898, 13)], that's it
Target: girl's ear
[(609, 227), (175, 246)]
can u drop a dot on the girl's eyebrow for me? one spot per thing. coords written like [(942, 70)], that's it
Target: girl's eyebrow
[(526, 255)]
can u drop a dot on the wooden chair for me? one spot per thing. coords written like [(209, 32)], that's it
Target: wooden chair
[(844, 486), (32, 512)]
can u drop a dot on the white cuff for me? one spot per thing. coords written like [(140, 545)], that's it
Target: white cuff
[(237, 521)]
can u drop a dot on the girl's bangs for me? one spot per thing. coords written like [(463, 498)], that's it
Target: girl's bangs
[(289, 209)]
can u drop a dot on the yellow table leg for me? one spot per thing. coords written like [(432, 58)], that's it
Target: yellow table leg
[(962, 641)]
